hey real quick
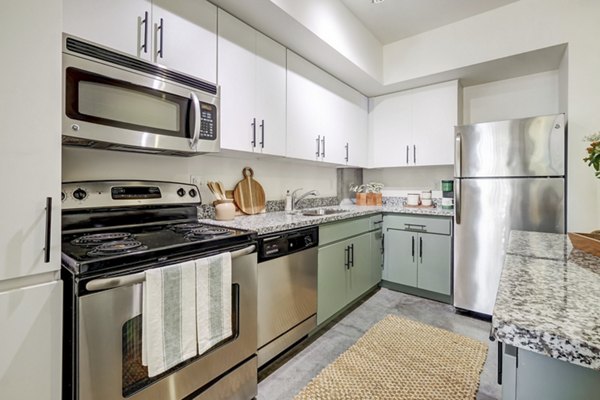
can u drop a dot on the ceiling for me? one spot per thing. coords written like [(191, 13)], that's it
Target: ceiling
[(393, 20)]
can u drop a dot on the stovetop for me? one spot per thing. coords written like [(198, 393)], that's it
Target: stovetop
[(114, 248)]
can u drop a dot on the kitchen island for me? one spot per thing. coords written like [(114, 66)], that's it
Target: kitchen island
[(547, 315)]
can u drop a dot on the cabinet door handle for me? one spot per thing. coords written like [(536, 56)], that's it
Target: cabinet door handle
[(421, 248), (262, 134), (253, 141), (406, 154), (413, 248), (500, 362), (347, 257), (346, 152), (352, 255), (323, 150), (161, 28), (144, 46), (414, 154), (48, 229), (318, 153)]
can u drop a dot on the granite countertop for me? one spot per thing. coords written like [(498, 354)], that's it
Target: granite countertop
[(548, 299), (280, 220)]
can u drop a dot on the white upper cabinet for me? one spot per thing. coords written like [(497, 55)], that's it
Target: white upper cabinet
[(252, 75), (180, 34), (323, 116), (414, 127)]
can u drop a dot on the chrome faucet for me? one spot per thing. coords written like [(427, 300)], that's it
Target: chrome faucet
[(296, 200)]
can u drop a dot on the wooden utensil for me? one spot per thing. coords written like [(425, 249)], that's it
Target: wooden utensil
[(249, 194), (221, 189)]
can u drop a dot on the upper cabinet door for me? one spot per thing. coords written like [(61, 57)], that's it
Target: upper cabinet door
[(270, 95), (237, 64), (435, 113), (121, 25), (180, 34), (414, 127), (305, 101), (185, 36), (356, 127), (390, 130)]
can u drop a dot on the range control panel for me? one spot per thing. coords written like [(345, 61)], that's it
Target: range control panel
[(282, 244), (108, 194)]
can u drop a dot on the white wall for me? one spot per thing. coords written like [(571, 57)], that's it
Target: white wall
[(333, 23), (406, 178), (518, 28), (275, 175), (526, 96)]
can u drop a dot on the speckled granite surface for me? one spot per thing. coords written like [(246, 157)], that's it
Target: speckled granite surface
[(548, 300), (281, 221)]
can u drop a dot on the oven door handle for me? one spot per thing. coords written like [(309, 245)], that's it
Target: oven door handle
[(127, 280), (197, 120)]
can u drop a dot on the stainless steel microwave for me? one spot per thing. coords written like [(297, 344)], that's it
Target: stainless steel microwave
[(118, 102)]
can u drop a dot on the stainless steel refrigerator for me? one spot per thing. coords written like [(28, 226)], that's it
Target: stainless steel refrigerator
[(509, 175)]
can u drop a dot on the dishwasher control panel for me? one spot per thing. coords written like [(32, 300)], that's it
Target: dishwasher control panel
[(284, 243)]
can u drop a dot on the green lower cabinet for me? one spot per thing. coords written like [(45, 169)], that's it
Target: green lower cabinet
[(433, 271), (401, 257), (332, 280), (419, 260), (376, 257), (347, 269)]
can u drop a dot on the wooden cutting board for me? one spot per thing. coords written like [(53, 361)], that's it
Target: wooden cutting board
[(248, 194)]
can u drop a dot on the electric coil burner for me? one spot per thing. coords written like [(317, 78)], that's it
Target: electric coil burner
[(113, 231)]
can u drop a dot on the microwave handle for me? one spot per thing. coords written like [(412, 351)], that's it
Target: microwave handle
[(197, 117)]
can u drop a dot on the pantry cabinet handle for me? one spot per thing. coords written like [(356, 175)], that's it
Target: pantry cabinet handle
[(144, 46), (132, 279), (253, 142), (318, 153), (48, 237), (421, 248), (262, 134), (323, 150), (160, 28), (406, 154), (346, 152), (414, 154), (413, 248)]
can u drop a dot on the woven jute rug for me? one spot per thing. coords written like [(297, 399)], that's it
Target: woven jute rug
[(402, 359)]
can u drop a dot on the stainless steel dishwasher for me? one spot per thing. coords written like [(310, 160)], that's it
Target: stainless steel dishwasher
[(287, 290)]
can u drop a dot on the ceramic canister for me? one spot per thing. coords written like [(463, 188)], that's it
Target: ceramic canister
[(413, 199)]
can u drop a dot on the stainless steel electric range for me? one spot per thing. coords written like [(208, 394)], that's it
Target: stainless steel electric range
[(112, 232)]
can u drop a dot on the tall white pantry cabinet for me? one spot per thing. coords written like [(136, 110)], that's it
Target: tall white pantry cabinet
[(30, 151)]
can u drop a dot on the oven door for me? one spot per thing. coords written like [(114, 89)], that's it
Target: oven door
[(105, 106), (109, 342)]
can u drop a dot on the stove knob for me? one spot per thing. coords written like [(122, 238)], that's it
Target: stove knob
[(79, 194), (192, 193), (181, 192)]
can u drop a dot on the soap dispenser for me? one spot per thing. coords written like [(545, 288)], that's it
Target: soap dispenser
[(288, 201)]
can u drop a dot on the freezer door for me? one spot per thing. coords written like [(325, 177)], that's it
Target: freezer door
[(517, 148), (489, 209)]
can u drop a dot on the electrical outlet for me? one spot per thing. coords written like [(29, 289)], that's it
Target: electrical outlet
[(196, 180)]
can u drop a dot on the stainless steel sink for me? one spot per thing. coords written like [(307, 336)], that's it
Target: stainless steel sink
[(323, 211)]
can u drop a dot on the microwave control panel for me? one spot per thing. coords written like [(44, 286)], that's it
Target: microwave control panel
[(208, 121)]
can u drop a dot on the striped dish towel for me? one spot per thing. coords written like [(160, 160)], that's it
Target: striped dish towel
[(168, 317), (213, 294)]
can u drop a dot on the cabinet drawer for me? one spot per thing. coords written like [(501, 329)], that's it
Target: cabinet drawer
[(335, 231), (430, 224)]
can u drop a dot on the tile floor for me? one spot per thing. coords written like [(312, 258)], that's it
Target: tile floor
[(284, 378)]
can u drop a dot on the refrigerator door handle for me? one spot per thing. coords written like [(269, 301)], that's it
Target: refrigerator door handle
[(458, 155), (457, 200)]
